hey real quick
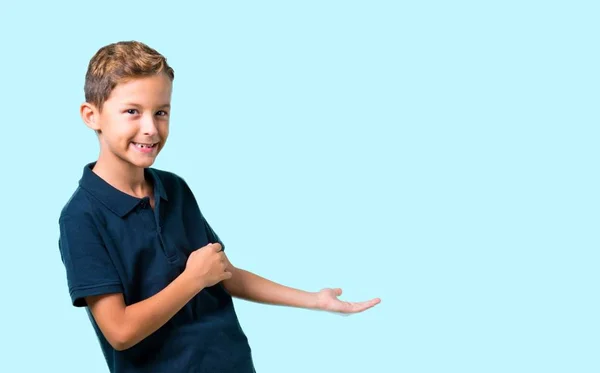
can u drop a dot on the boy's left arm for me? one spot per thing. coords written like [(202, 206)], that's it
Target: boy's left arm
[(249, 286)]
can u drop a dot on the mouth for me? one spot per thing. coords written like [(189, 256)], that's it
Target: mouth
[(146, 148), (141, 145)]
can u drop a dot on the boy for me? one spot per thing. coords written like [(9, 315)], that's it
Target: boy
[(138, 253)]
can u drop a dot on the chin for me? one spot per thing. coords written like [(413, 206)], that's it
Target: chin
[(140, 162), (144, 163)]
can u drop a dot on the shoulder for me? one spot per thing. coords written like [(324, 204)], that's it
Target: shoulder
[(168, 178), (173, 184), (79, 205)]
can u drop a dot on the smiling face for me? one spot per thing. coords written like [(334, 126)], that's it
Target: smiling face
[(133, 125)]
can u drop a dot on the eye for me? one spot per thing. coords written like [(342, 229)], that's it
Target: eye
[(164, 113), (131, 111)]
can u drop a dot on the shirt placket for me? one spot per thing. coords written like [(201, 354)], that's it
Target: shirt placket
[(170, 253)]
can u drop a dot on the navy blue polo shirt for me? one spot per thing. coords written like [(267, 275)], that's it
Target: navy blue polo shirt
[(112, 242)]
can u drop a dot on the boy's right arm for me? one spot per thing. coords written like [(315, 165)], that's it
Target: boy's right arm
[(125, 326)]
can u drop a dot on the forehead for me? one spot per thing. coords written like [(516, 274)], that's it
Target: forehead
[(150, 90)]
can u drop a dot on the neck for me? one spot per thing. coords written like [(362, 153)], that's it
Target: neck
[(122, 175)]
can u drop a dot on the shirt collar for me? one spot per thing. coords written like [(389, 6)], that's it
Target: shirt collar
[(117, 201)]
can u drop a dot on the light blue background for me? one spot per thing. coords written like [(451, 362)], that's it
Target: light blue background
[(441, 155)]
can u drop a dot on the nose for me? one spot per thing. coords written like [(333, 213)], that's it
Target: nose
[(148, 125)]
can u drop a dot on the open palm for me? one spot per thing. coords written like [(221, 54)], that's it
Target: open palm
[(327, 300)]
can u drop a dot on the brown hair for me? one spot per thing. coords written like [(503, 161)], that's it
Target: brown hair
[(119, 62)]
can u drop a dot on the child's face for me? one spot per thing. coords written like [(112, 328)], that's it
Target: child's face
[(134, 123)]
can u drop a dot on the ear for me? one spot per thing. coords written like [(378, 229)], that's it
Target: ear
[(90, 115)]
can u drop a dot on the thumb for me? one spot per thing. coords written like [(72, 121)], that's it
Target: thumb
[(337, 291), (226, 275)]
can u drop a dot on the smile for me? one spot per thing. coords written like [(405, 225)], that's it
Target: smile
[(144, 146)]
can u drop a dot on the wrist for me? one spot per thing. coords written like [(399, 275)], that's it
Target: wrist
[(192, 282), (314, 301)]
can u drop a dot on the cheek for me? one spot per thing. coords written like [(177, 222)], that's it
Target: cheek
[(120, 127), (164, 131), (126, 130)]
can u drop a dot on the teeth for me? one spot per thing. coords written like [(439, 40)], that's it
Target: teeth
[(143, 145)]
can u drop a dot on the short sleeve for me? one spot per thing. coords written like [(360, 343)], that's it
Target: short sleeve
[(89, 268), (212, 236), (194, 213)]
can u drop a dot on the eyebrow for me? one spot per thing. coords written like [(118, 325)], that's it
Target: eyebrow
[(138, 105)]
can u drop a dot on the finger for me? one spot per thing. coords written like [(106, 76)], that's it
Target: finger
[(337, 291), (217, 246), (363, 306), (226, 275)]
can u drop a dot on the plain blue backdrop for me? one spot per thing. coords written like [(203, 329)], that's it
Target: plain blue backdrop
[(439, 155)]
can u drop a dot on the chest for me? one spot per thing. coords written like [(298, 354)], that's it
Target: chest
[(150, 246)]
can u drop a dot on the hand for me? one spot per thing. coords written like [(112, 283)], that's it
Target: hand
[(207, 266), (327, 300)]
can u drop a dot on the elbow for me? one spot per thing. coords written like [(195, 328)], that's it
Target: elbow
[(121, 339), (119, 345)]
